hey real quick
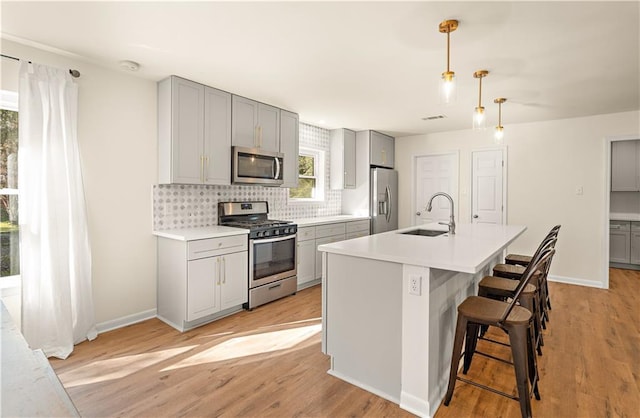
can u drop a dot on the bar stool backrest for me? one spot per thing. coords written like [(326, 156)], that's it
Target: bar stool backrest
[(537, 263)]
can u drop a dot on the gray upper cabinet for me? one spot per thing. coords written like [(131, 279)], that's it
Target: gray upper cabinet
[(343, 159), (625, 166), (381, 150), (289, 140), (194, 133), (255, 125)]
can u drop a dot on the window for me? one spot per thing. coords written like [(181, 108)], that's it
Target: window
[(9, 229), (310, 176)]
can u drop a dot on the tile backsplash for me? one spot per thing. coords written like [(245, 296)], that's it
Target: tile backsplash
[(191, 206)]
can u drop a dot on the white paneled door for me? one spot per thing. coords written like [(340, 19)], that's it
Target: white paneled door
[(487, 186), (435, 173)]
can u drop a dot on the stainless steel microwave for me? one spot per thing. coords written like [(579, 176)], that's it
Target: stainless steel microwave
[(256, 166)]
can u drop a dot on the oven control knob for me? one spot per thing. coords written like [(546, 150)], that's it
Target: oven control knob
[(265, 234), (276, 232)]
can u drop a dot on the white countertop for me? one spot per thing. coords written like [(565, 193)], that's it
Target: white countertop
[(327, 220), (192, 234), (624, 216), (466, 251)]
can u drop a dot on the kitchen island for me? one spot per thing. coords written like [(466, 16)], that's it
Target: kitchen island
[(389, 307)]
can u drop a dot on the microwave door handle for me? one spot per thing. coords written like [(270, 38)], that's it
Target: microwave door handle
[(277, 168)]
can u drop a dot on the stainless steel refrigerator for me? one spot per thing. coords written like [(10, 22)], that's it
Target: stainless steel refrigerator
[(383, 199)]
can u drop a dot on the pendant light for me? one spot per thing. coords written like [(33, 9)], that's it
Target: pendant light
[(448, 92), (479, 119), (499, 132)]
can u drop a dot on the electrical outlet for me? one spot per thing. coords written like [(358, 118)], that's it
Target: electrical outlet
[(415, 285)]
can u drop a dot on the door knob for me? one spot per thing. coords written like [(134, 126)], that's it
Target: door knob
[(418, 213), (475, 216)]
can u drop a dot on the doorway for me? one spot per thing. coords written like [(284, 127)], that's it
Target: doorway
[(621, 204), (434, 173)]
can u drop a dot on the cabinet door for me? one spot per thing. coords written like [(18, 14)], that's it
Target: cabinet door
[(203, 287), (244, 125), (625, 166), (187, 131), (234, 279), (619, 246), (381, 150), (321, 241), (349, 159), (306, 261), (343, 159), (635, 243), (269, 128), (217, 137), (289, 139)]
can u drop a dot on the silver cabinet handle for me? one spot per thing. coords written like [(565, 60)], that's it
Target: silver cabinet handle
[(418, 213), (218, 265), (475, 216)]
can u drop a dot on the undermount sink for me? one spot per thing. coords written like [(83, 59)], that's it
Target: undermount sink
[(424, 232)]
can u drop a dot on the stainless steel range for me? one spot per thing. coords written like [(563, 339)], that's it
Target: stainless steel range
[(272, 250)]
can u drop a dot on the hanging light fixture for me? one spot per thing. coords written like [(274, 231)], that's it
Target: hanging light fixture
[(479, 120), (499, 132), (448, 81)]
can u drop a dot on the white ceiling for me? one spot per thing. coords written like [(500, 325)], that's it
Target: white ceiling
[(364, 65)]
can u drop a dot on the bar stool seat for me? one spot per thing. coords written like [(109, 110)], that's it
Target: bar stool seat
[(518, 259), (509, 271)]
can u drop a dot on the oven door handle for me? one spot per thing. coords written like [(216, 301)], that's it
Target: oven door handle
[(268, 240)]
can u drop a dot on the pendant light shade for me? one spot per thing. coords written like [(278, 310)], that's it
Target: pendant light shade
[(479, 119), (448, 93), (498, 135)]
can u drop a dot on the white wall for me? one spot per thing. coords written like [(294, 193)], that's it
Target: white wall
[(117, 138), (547, 161)]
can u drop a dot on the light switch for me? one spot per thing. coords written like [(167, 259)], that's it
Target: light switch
[(579, 190)]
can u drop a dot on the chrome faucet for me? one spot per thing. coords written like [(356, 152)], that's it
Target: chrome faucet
[(452, 222)]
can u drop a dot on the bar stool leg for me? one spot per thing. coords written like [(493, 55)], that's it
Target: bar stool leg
[(533, 365), (518, 339), (471, 341), (461, 328)]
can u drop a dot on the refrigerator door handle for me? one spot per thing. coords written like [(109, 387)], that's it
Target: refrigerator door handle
[(390, 208)]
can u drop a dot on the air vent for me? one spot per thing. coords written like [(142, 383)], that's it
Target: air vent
[(434, 117)]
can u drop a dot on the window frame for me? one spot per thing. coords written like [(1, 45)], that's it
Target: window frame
[(319, 175)]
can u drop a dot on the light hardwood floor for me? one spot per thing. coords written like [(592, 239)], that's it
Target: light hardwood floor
[(268, 363)]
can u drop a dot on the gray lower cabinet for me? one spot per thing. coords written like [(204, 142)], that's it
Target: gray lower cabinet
[(635, 243), (624, 242), (310, 237), (201, 280)]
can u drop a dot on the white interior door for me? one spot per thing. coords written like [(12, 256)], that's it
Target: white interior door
[(487, 194), (435, 173)]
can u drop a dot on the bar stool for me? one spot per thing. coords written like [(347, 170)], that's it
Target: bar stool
[(516, 321), (524, 260), (513, 271)]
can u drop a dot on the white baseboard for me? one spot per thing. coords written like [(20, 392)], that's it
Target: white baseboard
[(364, 386), (579, 282), (125, 320), (415, 405)]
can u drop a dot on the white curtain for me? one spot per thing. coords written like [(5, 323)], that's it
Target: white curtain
[(57, 301)]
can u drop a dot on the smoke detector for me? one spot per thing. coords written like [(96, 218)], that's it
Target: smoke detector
[(129, 65)]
